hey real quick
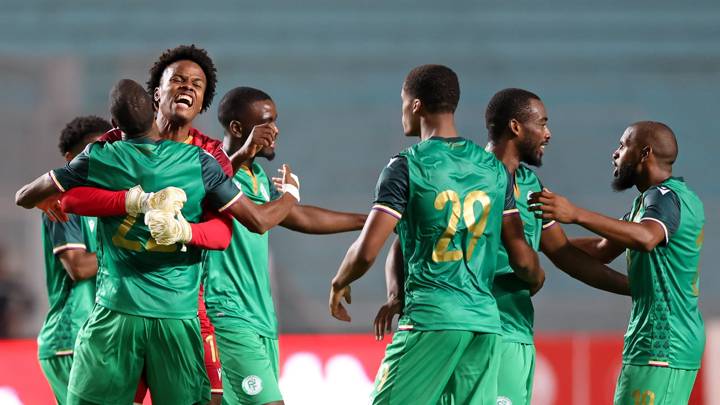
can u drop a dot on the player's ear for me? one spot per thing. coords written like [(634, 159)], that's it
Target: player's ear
[(416, 105), (645, 153), (515, 127), (68, 156), (235, 128)]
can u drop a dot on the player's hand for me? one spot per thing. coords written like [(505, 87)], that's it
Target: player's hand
[(288, 182), (548, 205), (52, 208), (337, 310), (261, 136), (170, 199), (385, 315), (168, 228)]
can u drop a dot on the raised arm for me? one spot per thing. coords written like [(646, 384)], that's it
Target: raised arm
[(579, 265), (316, 220), (598, 248), (642, 236)]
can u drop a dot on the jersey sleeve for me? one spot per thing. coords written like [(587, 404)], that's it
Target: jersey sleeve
[(65, 235), (393, 188), (509, 206), (219, 188), (662, 206), (274, 193), (75, 172)]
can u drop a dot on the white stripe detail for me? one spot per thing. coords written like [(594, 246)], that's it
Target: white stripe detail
[(667, 236), (64, 352), (405, 327), (216, 391), (67, 246), (55, 180), (387, 210), (549, 224), (511, 211), (231, 202), (658, 363)]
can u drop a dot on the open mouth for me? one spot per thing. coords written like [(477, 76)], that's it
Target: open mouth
[(184, 99)]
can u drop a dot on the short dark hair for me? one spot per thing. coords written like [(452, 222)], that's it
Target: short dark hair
[(77, 131), (436, 86), (235, 101), (505, 105), (131, 107), (191, 53)]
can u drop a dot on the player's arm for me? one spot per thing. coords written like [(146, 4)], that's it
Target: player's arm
[(642, 236), (316, 220), (391, 196), (598, 248), (578, 264), (394, 281), (74, 174), (523, 259), (261, 135), (358, 259), (70, 248)]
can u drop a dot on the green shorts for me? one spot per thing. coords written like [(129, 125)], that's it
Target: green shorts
[(450, 367), (651, 385), (250, 364), (57, 371), (517, 369), (112, 349)]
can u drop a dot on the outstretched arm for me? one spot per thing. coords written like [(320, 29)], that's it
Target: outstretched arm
[(358, 259), (579, 265), (598, 248), (642, 236), (316, 220)]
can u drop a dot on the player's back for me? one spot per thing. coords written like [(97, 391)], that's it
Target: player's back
[(450, 233), (136, 275), (666, 327)]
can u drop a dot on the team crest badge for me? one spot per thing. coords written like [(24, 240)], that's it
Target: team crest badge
[(504, 401), (252, 385)]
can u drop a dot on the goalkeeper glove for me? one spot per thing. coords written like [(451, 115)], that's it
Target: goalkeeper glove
[(170, 199), (166, 228)]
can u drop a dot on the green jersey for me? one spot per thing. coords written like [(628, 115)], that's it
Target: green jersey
[(238, 283), (70, 302), (666, 328), (137, 276), (512, 294), (449, 196)]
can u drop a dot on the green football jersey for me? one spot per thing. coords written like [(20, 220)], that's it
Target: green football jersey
[(136, 275), (69, 302), (238, 281), (666, 328), (511, 293), (450, 211)]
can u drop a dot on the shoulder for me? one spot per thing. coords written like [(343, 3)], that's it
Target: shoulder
[(658, 193), (214, 147), (112, 135)]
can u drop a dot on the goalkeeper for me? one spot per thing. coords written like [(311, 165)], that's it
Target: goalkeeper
[(146, 315)]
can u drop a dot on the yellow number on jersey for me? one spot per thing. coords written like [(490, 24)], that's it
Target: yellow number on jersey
[(467, 211), (120, 239)]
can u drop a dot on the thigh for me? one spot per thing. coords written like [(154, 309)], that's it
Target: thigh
[(249, 365), (516, 372), (108, 357), (474, 380), (418, 365), (57, 372), (174, 365)]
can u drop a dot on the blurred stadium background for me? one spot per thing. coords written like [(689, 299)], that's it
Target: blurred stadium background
[(335, 71)]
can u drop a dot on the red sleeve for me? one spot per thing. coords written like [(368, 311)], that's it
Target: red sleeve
[(112, 135), (213, 234), (94, 202), (224, 160)]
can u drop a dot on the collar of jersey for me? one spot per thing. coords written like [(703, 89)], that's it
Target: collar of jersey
[(439, 138), (143, 139)]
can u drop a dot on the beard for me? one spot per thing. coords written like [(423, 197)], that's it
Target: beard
[(267, 153), (529, 153), (625, 177)]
